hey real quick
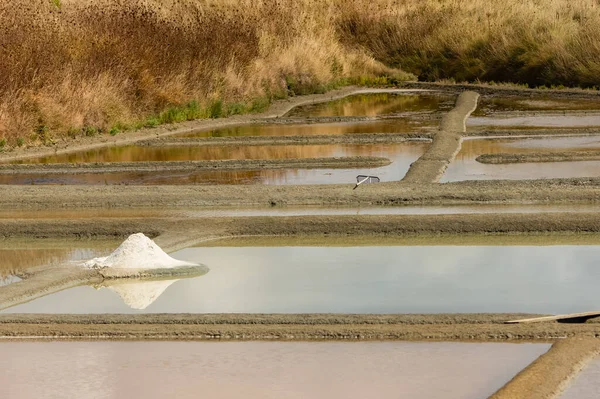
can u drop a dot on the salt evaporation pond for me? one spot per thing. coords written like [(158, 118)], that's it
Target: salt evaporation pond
[(398, 125), (375, 279), (465, 166), (294, 370), (374, 104), (586, 384), (401, 155)]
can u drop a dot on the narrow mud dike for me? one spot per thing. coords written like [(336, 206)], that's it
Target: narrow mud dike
[(359, 138), (545, 191), (541, 133), (550, 374), (442, 327), (430, 167), (566, 156), (170, 232), (220, 165)]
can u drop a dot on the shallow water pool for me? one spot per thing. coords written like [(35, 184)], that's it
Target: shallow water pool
[(401, 155), (259, 369), (465, 166), (373, 279)]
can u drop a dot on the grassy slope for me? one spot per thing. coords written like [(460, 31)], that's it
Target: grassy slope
[(77, 67)]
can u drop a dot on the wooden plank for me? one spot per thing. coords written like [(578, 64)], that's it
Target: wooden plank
[(561, 318)]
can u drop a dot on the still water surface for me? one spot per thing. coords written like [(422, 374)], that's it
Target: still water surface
[(395, 125), (587, 384), (378, 104), (392, 279), (401, 155), (261, 370), (465, 166)]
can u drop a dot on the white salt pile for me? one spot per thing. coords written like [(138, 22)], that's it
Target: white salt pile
[(137, 252)]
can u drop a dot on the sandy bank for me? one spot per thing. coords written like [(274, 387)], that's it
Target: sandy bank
[(546, 191), (170, 230), (446, 327), (430, 167), (362, 138), (221, 165)]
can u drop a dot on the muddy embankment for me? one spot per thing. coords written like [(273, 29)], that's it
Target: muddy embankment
[(363, 138), (566, 156), (547, 191), (549, 375), (221, 165), (443, 327), (430, 167), (170, 231)]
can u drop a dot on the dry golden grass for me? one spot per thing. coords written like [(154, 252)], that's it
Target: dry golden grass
[(533, 42), (80, 66)]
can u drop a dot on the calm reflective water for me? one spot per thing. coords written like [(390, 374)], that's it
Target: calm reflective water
[(587, 383), (378, 104), (537, 121), (465, 167), (18, 257), (490, 106), (388, 279), (401, 155), (260, 370)]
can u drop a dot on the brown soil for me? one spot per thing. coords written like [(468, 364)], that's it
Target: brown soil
[(446, 143), (446, 327), (549, 375), (200, 229), (385, 194), (222, 165), (363, 138), (566, 156)]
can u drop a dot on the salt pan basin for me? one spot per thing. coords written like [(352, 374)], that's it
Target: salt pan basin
[(373, 279), (261, 370)]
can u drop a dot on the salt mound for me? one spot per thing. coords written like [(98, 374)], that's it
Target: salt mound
[(137, 252)]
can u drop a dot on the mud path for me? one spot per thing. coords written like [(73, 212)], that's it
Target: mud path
[(362, 138), (430, 167), (434, 327), (566, 156), (549, 375), (547, 191), (177, 233), (221, 165)]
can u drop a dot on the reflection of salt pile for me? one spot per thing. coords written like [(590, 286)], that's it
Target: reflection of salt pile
[(141, 295), (137, 252)]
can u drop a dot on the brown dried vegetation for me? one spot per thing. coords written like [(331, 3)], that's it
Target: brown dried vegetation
[(86, 66)]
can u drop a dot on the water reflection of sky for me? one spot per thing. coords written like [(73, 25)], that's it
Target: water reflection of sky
[(465, 166), (266, 370), (401, 155), (556, 279)]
